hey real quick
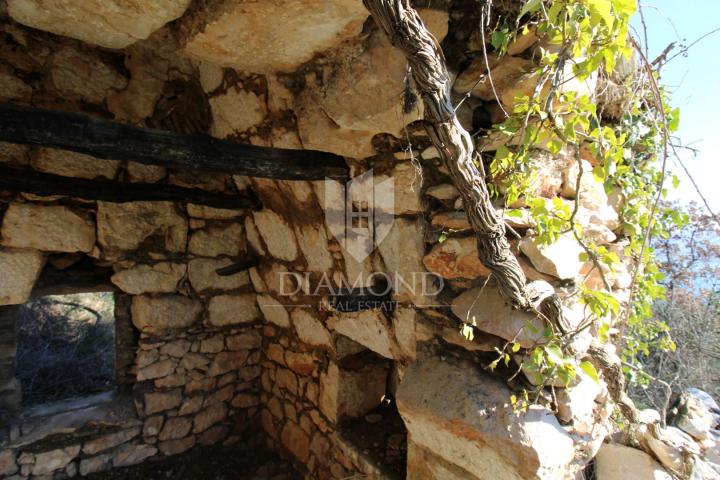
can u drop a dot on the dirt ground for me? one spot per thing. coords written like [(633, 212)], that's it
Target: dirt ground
[(238, 462)]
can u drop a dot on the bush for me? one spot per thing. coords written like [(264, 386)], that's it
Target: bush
[(65, 346)]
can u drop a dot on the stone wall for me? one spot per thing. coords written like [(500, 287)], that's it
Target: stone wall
[(213, 354)]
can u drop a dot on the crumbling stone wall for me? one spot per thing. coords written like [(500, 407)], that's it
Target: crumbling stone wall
[(217, 353)]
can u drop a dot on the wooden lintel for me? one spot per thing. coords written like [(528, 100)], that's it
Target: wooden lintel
[(117, 141), (39, 183)]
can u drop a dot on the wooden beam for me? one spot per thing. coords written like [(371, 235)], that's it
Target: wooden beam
[(38, 183), (116, 141)]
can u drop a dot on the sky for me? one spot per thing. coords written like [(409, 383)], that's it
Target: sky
[(694, 81)]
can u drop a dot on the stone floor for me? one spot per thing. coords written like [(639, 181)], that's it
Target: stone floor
[(237, 462)]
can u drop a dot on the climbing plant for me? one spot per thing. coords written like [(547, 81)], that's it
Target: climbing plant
[(586, 41)]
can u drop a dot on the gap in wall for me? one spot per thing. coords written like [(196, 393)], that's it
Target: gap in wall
[(65, 347)]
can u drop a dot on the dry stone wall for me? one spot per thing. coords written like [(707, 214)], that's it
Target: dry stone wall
[(214, 355)]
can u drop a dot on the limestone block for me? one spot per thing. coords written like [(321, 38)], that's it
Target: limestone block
[(124, 226), (368, 328), (48, 462), (351, 393), (309, 329), (402, 251), (486, 310), (296, 441), (456, 220), (266, 37), (106, 442), (108, 23), (212, 213), (226, 310), (560, 259), (618, 462), (81, 75), (19, 269), (235, 111), (444, 192), (480, 434), (404, 325), (313, 243), (141, 173), (12, 87), (203, 275), (160, 314), (456, 258), (273, 311), (13, 153), (48, 228), (363, 93), (162, 277), (132, 454), (209, 417), (71, 164), (277, 234), (7, 462), (215, 241)]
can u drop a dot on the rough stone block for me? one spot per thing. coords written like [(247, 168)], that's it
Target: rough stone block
[(49, 228)]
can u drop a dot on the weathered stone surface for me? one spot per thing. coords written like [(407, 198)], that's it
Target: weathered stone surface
[(233, 309), (456, 258), (422, 464), (404, 326), (480, 434), (296, 441), (7, 462), (227, 361), (48, 228), (485, 309), (408, 184), (300, 363), (561, 259), (160, 369), (444, 191), (273, 311), (216, 241), (278, 235), (95, 464), (209, 417), (314, 245), (139, 172), (109, 441), (269, 37), (162, 277), (164, 313), (203, 276), (212, 213), (455, 220), (362, 94), (618, 462), (173, 447), (152, 425), (244, 341), (132, 454), (693, 415), (176, 427), (402, 251), (83, 75), (235, 111), (160, 401), (124, 226), (318, 131), (368, 328), (71, 164), (505, 74), (309, 329), (670, 445), (47, 462), (111, 24), (351, 393), (13, 88), (19, 269)]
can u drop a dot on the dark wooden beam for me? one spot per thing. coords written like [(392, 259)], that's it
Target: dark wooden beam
[(31, 181), (116, 141)]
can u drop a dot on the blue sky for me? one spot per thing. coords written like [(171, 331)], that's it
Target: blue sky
[(694, 82)]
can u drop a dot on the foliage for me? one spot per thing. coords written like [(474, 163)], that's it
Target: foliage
[(690, 258), (581, 40), (65, 347)]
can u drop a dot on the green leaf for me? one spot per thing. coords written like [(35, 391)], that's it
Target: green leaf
[(530, 6), (602, 9), (589, 370), (555, 354), (515, 347)]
